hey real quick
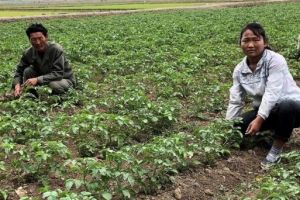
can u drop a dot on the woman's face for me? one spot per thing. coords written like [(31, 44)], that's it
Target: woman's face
[(253, 46)]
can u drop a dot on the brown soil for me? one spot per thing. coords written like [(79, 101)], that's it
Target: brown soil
[(230, 178)]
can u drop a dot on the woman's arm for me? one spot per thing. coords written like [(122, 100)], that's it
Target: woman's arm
[(274, 85), (237, 96)]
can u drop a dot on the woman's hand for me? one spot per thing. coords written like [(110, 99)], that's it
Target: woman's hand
[(254, 126)]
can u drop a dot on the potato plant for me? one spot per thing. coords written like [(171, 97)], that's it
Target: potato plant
[(145, 84)]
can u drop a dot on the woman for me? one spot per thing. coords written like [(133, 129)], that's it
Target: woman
[(264, 75)]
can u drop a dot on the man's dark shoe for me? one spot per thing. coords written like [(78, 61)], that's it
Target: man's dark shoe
[(34, 92)]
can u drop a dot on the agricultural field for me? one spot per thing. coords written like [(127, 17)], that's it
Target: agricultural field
[(146, 119), (50, 10), (55, 8)]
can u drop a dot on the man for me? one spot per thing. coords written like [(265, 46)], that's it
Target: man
[(42, 64)]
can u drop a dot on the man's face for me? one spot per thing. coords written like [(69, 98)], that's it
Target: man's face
[(38, 41)]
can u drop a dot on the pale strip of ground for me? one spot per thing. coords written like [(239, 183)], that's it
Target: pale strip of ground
[(105, 13)]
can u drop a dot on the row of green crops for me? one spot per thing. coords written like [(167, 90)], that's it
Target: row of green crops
[(146, 83)]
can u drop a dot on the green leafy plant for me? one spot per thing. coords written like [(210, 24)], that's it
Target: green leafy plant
[(37, 159), (283, 182), (218, 138)]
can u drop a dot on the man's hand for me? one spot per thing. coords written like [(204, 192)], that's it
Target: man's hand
[(18, 91), (31, 82), (254, 126)]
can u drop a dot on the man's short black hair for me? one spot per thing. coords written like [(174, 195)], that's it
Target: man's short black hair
[(33, 28)]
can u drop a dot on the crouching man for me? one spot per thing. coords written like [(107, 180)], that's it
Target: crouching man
[(44, 63)]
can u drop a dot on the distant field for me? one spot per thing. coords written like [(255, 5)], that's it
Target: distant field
[(108, 2), (22, 13), (71, 7), (100, 7), (30, 10)]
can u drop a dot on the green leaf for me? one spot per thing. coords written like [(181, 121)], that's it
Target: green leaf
[(69, 184), (3, 194), (78, 183), (106, 195), (75, 129), (2, 167), (50, 195), (126, 193), (196, 162), (131, 180), (154, 119)]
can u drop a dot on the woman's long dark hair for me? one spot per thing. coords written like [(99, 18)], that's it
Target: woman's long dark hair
[(257, 30)]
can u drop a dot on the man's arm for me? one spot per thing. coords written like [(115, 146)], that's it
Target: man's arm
[(18, 77), (23, 63), (18, 90)]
